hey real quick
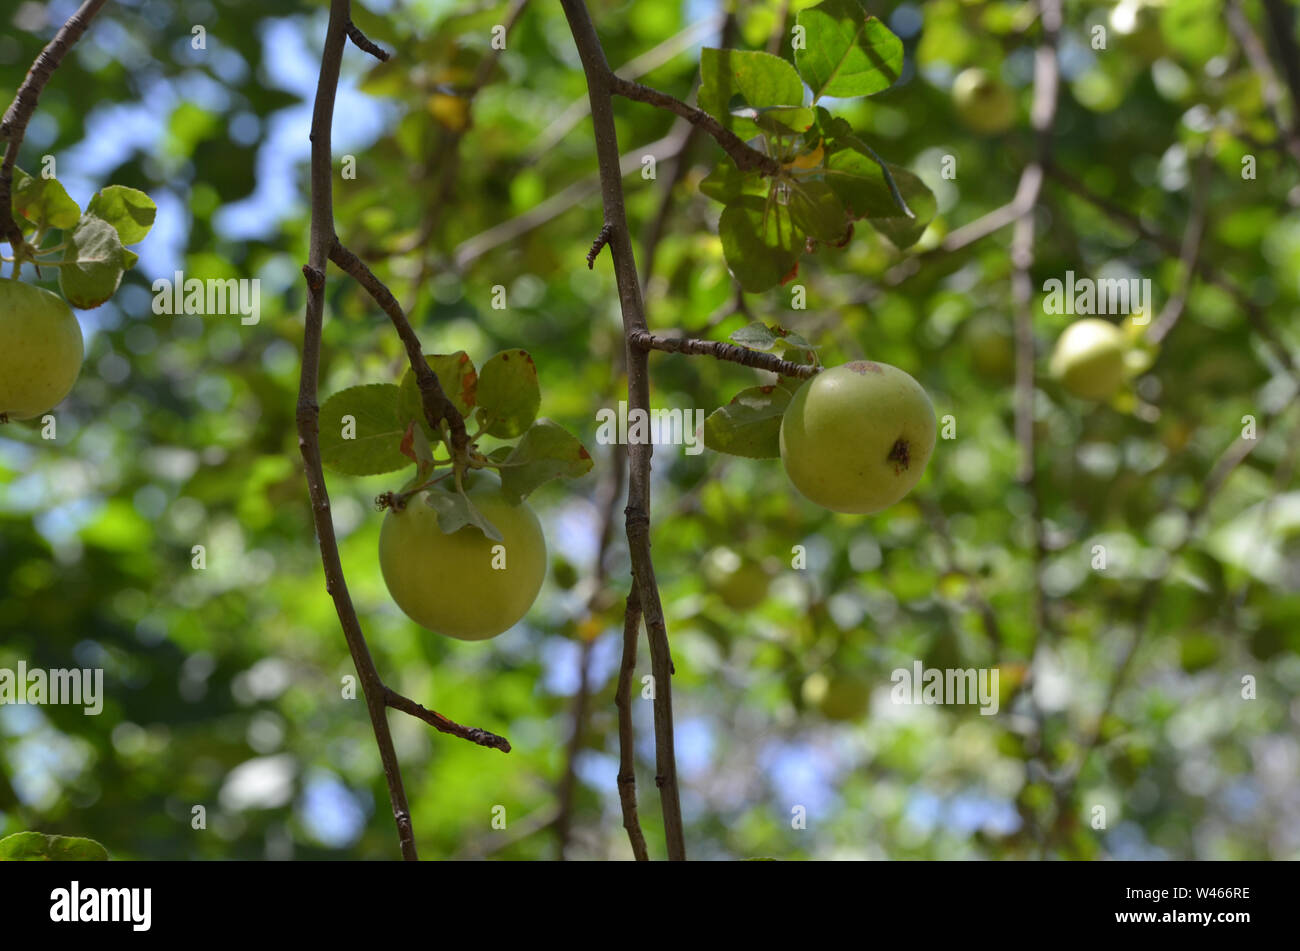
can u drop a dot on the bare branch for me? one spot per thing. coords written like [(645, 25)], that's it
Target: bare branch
[(723, 351), (626, 746), (609, 494), (437, 406), (14, 124), (602, 239), (599, 78), (364, 43), (308, 417), (444, 724), (747, 159)]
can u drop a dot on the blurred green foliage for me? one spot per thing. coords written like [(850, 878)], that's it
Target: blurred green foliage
[(224, 685)]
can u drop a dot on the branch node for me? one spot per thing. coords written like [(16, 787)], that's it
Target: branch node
[(315, 277), (364, 42), (602, 239)]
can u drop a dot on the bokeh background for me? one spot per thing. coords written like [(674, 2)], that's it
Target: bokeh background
[(224, 685)]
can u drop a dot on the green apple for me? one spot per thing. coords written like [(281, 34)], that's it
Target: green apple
[(740, 582), (464, 584), (1089, 359), (40, 349), (984, 102), (837, 697), (856, 438)]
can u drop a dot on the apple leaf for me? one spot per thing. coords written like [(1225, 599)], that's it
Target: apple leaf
[(750, 425), (816, 210), (758, 79), (370, 441), (759, 336), (43, 201), (93, 262), (760, 242), (128, 210), (847, 53), (725, 182), (455, 511), (779, 120), (456, 375), (508, 395), (861, 184), (38, 847), (546, 451)]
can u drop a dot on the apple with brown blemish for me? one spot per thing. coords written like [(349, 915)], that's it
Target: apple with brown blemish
[(856, 438)]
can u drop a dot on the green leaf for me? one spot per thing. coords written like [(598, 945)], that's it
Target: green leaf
[(455, 511), (38, 847), (816, 210), (375, 429), (725, 182), (758, 336), (860, 183), (508, 395), (847, 53), (759, 79), (761, 245), (750, 425), (128, 210), (93, 262), (780, 120), (456, 375), (547, 451), (43, 201)]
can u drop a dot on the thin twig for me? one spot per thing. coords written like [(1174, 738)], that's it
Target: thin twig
[(308, 417), (723, 351), (445, 724), (602, 239), (364, 43), (747, 159), (626, 744), (437, 406), (609, 495), (14, 124), (599, 80)]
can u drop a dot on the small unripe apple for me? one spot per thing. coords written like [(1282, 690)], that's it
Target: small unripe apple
[(984, 103), (740, 582), (1089, 359), (837, 697), (40, 349), (464, 584), (856, 438)]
